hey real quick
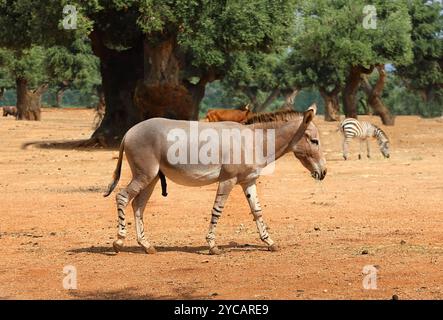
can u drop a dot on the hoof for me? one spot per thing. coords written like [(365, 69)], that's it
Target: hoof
[(117, 245), (273, 248), (150, 250), (214, 251)]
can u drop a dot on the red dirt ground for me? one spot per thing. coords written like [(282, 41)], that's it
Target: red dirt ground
[(53, 215)]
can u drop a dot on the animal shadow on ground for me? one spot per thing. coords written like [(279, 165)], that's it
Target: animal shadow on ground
[(203, 250), (132, 293)]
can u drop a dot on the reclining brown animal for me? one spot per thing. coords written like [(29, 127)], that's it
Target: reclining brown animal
[(216, 115), (10, 110)]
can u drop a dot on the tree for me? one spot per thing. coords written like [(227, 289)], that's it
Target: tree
[(25, 68), (157, 55), (313, 63), (183, 45), (261, 78), (340, 37), (23, 26), (73, 66), (424, 74)]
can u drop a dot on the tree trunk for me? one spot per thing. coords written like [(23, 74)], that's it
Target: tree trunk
[(351, 89), (290, 96), (28, 102), (120, 71), (163, 92), (100, 108), (332, 105), (60, 93), (374, 97), (59, 97), (143, 82)]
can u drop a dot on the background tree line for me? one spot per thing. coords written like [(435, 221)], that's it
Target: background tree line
[(177, 58)]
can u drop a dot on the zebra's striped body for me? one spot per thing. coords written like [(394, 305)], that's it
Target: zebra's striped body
[(352, 128)]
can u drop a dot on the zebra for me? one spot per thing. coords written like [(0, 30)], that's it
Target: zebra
[(351, 128)]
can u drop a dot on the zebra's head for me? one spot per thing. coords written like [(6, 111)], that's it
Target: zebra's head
[(384, 148), (309, 150), (383, 141)]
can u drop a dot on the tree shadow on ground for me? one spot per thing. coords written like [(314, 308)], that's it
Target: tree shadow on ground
[(203, 250), (82, 144)]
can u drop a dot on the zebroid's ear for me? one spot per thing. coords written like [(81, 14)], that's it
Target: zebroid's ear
[(309, 114)]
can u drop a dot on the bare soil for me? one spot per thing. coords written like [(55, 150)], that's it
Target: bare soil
[(382, 212)]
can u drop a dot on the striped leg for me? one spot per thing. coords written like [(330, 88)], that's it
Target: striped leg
[(139, 205), (346, 141), (224, 188), (123, 197), (251, 194), (367, 148), (361, 149)]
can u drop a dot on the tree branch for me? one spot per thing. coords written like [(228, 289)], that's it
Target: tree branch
[(271, 97)]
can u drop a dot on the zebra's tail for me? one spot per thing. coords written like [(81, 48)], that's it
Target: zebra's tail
[(117, 171), (339, 127)]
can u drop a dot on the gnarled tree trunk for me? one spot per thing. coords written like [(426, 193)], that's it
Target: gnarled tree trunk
[(351, 89), (120, 71), (29, 102), (374, 96), (164, 92), (100, 108), (332, 105), (60, 93), (290, 95), (142, 82)]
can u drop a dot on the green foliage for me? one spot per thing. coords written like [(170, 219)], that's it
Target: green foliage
[(74, 64), (402, 101), (425, 72), (253, 75), (207, 31), (25, 23), (254, 47), (28, 63), (333, 39)]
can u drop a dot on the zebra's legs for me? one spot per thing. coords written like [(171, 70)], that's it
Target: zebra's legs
[(368, 149), (223, 190), (361, 149), (345, 147), (139, 205), (251, 194), (123, 197)]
